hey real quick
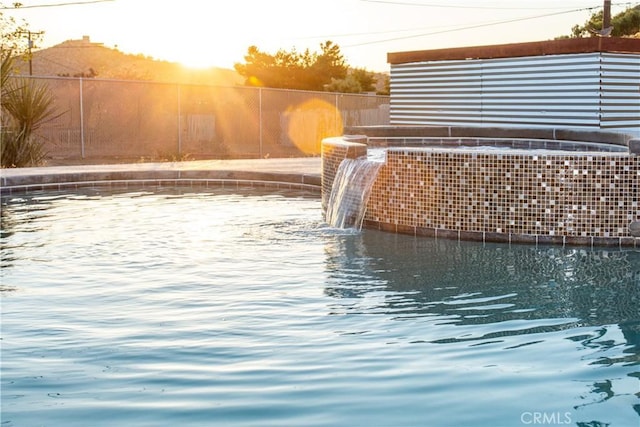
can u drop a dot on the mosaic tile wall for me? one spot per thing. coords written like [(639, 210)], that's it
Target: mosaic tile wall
[(511, 195)]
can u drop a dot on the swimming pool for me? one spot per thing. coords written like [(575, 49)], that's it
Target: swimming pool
[(182, 306)]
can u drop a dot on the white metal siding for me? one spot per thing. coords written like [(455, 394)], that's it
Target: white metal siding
[(594, 90), (620, 102)]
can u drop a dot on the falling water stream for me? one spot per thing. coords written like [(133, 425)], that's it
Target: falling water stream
[(350, 192)]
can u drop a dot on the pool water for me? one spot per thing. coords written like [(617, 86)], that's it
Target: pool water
[(180, 306)]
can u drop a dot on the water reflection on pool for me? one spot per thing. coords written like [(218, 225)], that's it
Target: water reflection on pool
[(182, 307)]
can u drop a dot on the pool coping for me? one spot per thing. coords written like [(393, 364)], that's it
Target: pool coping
[(299, 173)]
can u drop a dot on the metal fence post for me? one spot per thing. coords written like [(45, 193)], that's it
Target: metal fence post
[(260, 119), (81, 120), (179, 124), (336, 113)]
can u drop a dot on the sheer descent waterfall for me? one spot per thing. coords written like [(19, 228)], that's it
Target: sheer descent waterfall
[(350, 192)]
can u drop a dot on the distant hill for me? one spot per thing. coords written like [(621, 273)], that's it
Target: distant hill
[(76, 58)]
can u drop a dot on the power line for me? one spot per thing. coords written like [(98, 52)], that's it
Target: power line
[(70, 67), (450, 28), (369, 33), (74, 3), (488, 24), (454, 6)]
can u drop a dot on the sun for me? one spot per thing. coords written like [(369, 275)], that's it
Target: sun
[(198, 51), (200, 55), (195, 60)]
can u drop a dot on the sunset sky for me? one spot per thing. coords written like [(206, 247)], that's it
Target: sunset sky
[(218, 33)]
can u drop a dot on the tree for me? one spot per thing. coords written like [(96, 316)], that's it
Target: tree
[(358, 80), (330, 64), (15, 36), (386, 90), (367, 79), (293, 70), (347, 85), (626, 23)]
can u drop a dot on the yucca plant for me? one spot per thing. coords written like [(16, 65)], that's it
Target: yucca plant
[(5, 69), (26, 105)]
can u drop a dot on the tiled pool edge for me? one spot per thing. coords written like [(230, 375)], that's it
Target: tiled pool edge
[(41, 179), (510, 238), (398, 205)]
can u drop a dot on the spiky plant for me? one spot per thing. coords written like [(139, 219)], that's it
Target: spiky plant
[(26, 105), (5, 70)]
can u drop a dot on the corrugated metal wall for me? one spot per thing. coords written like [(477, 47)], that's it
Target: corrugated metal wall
[(620, 103), (593, 90)]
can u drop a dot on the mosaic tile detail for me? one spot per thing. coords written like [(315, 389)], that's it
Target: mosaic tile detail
[(541, 196)]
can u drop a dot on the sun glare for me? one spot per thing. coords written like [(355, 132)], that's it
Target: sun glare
[(195, 60), (302, 128)]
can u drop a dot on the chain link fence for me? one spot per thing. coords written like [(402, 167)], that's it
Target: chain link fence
[(111, 119)]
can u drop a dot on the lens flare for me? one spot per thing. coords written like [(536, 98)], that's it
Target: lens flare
[(254, 81), (308, 123)]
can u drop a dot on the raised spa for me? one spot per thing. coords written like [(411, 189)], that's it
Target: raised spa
[(496, 184)]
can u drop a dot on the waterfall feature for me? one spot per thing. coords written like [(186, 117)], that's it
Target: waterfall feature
[(350, 192)]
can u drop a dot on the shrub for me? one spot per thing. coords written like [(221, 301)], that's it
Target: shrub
[(26, 105)]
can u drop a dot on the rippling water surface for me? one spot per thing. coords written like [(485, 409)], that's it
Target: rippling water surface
[(185, 307)]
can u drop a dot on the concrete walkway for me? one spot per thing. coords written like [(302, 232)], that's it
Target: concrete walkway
[(304, 171)]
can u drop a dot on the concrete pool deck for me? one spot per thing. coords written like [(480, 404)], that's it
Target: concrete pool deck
[(297, 172)]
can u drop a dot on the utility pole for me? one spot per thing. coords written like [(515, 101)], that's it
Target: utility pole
[(606, 14), (30, 46)]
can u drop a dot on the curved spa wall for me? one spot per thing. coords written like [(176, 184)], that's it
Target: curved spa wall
[(462, 183)]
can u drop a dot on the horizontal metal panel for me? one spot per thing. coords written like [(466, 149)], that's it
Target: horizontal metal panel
[(434, 120), (559, 98), (530, 106), (591, 73), (538, 109), (502, 85), (532, 115), (435, 114), (591, 90), (628, 114), (612, 60), (440, 88), (620, 92), (584, 90)]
